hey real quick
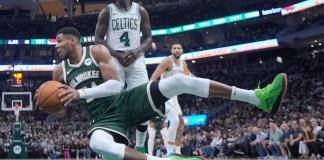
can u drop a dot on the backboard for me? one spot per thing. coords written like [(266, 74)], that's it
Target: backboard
[(10, 99)]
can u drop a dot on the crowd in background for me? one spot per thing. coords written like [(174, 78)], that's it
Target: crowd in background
[(233, 129), (314, 21), (238, 130), (189, 11), (45, 26)]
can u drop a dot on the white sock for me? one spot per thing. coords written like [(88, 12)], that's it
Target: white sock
[(164, 133), (149, 157), (174, 122), (140, 138), (245, 96), (150, 142), (171, 149), (178, 149)]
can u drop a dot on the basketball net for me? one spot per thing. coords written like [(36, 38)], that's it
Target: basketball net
[(16, 108)]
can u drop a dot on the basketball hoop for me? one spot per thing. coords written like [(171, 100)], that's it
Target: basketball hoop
[(16, 106)]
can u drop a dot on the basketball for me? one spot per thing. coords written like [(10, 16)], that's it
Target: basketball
[(47, 97)]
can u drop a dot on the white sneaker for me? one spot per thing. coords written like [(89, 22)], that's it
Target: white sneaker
[(319, 156), (313, 156)]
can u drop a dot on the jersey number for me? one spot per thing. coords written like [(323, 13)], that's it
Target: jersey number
[(124, 38), (93, 84)]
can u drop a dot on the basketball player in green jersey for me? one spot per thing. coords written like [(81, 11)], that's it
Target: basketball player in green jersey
[(168, 67), (121, 22), (92, 78)]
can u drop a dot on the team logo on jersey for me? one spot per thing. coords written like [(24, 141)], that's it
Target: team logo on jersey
[(87, 62)]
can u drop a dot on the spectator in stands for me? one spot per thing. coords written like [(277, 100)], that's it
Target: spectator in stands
[(303, 149), (310, 138), (321, 137), (216, 144), (211, 149), (227, 149), (294, 139), (258, 142), (246, 143), (315, 125), (188, 145), (252, 136), (284, 140), (275, 134)]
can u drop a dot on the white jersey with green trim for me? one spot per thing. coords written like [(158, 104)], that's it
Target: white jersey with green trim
[(176, 69), (124, 28)]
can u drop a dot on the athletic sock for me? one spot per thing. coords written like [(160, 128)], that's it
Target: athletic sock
[(178, 149), (170, 149), (245, 96), (140, 138)]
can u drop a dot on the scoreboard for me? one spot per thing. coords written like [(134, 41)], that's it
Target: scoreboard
[(16, 41), (16, 79)]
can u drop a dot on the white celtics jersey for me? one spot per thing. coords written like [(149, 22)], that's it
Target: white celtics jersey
[(176, 69), (124, 28)]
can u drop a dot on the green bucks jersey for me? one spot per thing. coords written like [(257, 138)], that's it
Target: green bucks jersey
[(86, 74), (114, 113)]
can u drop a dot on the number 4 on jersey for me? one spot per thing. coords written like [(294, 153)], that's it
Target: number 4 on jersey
[(124, 38)]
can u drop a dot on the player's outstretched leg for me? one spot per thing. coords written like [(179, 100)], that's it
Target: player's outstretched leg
[(172, 130), (150, 142), (268, 98), (141, 131)]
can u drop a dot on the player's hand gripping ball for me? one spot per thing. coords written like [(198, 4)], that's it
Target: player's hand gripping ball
[(48, 99)]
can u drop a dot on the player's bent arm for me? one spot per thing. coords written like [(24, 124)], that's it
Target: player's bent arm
[(108, 88), (165, 65), (103, 58), (112, 85), (58, 73), (101, 28), (186, 70)]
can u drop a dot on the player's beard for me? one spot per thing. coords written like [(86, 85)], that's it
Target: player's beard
[(176, 56), (65, 57)]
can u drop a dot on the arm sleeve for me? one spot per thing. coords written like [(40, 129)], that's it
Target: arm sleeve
[(108, 88)]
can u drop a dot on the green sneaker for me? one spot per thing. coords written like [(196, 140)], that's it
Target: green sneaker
[(271, 95), (181, 157), (140, 149)]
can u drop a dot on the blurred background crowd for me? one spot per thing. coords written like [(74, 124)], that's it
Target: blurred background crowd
[(233, 129)]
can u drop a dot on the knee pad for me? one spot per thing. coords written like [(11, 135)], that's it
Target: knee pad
[(104, 144)]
